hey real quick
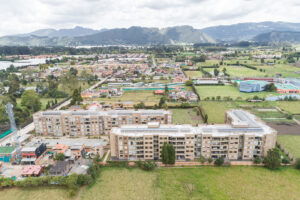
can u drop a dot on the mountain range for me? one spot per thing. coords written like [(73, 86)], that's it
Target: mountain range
[(259, 32)]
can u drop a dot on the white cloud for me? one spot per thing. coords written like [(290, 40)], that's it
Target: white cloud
[(20, 16)]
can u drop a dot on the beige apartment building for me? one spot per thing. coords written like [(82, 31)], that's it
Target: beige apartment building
[(82, 123), (243, 137)]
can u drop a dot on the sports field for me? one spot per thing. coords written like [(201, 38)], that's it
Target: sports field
[(228, 91)]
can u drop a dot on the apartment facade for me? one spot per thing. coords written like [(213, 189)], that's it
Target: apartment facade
[(82, 123), (243, 137)]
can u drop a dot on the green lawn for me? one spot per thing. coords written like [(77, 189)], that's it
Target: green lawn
[(291, 143), (284, 69), (205, 183), (225, 183), (44, 101), (292, 107), (240, 71), (194, 74), (185, 116), (34, 194), (124, 184), (216, 109), (134, 96), (228, 91)]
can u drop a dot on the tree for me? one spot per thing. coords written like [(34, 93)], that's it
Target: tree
[(270, 87), (205, 118), (31, 100), (219, 161), (14, 85), (209, 160), (59, 156), (162, 101), (168, 154), (171, 154), (224, 70), (272, 160), (76, 97), (166, 90), (165, 154), (216, 72), (189, 83)]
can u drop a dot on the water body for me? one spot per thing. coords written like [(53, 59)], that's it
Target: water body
[(21, 63)]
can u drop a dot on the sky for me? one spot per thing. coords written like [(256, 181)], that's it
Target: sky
[(23, 16)]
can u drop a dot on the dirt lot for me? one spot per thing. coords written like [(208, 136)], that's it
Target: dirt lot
[(285, 128)]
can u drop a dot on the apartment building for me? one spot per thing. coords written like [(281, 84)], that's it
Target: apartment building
[(81, 123), (243, 137)]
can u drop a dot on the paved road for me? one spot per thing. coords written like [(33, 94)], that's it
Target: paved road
[(30, 127)]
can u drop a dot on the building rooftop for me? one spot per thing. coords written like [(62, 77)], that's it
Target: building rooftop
[(242, 122), (286, 86), (106, 113)]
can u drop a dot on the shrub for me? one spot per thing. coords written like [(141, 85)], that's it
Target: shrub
[(59, 156), (297, 164), (219, 161), (202, 159), (285, 161), (146, 165), (209, 160), (257, 160), (272, 160)]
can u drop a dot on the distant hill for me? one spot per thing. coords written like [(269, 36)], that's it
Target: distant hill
[(246, 31), (137, 35), (142, 36), (133, 35), (74, 32), (278, 36)]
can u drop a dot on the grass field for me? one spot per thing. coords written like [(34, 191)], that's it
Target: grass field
[(192, 74), (205, 183), (240, 71), (292, 107), (34, 194), (228, 91), (232, 183), (216, 109), (135, 96), (283, 69), (123, 184), (44, 101), (291, 143), (185, 116)]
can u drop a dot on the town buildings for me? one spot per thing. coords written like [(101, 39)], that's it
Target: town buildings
[(82, 123), (31, 153), (243, 137)]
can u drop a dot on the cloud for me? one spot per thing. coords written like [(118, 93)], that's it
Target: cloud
[(19, 16)]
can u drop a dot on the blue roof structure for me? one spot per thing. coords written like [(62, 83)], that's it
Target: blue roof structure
[(253, 86)]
